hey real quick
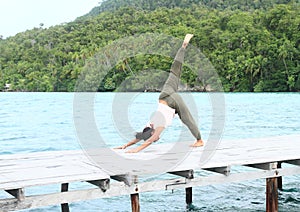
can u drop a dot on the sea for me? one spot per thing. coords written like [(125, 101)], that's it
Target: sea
[(41, 122)]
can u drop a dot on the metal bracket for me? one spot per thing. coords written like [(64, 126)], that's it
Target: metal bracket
[(177, 182), (17, 193), (102, 184), (189, 174), (264, 166), (128, 179), (221, 170)]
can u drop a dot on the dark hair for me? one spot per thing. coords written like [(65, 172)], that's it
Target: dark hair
[(147, 133)]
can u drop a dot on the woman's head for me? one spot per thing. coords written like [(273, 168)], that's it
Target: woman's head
[(146, 134)]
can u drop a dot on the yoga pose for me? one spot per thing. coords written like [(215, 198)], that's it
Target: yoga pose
[(170, 103)]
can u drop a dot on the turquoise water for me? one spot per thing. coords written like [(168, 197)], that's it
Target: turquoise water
[(34, 122)]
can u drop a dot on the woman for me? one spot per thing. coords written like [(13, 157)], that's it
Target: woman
[(170, 103)]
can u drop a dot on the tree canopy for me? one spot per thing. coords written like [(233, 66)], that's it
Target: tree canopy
[(253, 45)]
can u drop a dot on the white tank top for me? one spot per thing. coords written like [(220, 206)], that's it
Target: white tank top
[(162, 117)]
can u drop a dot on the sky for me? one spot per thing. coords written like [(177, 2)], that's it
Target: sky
[(20, 15)]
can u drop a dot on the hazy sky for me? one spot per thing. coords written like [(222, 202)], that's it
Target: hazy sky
[(20, 15)]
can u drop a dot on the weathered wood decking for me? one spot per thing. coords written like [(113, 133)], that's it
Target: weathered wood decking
[(18, 172)]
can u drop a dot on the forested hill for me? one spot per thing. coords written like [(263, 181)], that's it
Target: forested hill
[(246, 5), (253, 47)]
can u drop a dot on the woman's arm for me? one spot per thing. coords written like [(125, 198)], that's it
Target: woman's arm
[(148, 142), (134, 141)]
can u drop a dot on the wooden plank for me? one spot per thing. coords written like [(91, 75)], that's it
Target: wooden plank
[(223, 158), (118, 189), (52, 179), (226, 148), (50, 171), (33, 160), (54, 168), (28, 163), (21, 171), (18, 171), (246, 152), (232, 178), (47, 181)]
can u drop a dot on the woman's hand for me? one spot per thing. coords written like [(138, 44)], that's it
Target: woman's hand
[(134, 141), (133, 150), (121, 147)]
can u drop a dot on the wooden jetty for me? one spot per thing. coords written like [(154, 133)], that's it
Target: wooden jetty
[(265, 158)]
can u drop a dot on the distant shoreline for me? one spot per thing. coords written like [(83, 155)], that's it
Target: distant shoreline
[(148, 91)]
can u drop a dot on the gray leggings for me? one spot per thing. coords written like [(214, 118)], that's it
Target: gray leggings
[(174, 100)]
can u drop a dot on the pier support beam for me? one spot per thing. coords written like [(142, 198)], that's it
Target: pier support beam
[(221, 170), (135, 203), (128, 179), (279, 179), (102, 184), (272, 195), (188, 174), (65, 206), (189, 196), (17, 193)]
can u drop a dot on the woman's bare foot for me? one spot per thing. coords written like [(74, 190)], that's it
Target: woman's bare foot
[(198, 143), (186, 40)]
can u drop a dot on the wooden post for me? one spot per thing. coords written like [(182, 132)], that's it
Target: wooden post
[(189, 196), (272, 195), (65, 206), (279, 179), (135, 203)]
